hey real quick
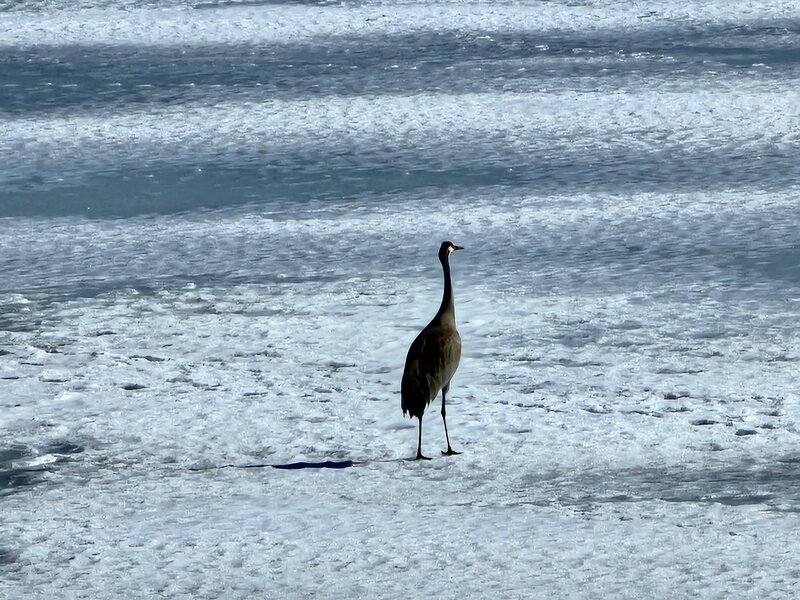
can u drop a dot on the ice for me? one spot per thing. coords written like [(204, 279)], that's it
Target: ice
[(212, 271), (601, 425), (320, 143), (231, 23)]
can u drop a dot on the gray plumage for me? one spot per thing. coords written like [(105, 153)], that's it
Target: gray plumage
[(433, 357)]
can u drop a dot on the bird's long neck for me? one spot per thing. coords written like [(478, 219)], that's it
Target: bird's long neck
[(447, 310)]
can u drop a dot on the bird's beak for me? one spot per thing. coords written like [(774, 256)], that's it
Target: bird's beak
[(457, 248)]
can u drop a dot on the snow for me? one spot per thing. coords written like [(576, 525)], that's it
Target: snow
[(368, 130), (202, 400), (629, 442), (256, 23)]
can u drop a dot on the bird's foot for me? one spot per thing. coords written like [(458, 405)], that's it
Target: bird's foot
[(421, 457), (450, 452)]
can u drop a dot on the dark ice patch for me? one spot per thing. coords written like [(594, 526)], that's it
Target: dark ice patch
[(745, 432), (149, 358), (15, 472), (132, 387), (63, 448), (18, 478), (702, 422), (8, 455), (775, 485)]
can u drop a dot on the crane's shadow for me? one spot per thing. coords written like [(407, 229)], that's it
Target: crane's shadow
[(325, 464), (304, 465), (336, 464)]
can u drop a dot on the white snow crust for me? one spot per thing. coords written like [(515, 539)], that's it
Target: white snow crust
[(206, 404)]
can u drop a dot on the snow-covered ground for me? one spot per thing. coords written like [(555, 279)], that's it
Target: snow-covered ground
[(210, 279)]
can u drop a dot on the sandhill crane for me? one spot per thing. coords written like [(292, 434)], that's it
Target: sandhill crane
[(433, 357)]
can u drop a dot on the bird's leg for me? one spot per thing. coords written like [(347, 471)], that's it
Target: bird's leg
[(419, 444), (450, 450)]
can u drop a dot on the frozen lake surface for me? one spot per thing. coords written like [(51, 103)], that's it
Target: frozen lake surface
[(218, 235)]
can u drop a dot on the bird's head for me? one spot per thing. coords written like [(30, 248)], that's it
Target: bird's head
[(446, 249)]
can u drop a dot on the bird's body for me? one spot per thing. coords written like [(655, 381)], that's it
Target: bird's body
[(433, 357)]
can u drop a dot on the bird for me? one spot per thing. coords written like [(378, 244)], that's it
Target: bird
[(433, 357)]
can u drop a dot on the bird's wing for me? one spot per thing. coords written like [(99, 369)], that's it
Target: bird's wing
[(414, 390), (450, 351), (431, 362)]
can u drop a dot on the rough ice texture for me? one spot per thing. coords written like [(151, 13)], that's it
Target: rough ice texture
[(627, 401)]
